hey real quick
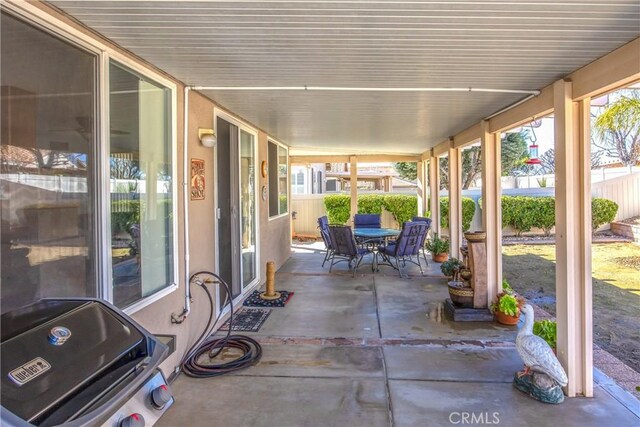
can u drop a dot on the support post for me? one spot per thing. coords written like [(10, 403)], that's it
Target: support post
[(434, 192), (573, 238), (354, 186), (455, 201), (422, 188), (490, 144)]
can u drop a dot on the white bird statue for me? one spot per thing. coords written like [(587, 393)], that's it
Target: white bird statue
[(536, 353)]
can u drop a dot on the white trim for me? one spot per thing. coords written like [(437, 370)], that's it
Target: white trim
[(41, 19), (286, 147), (142, 303), (123, 61), (242, 125)]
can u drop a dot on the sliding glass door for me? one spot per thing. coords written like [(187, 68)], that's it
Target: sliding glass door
[(236, 216)]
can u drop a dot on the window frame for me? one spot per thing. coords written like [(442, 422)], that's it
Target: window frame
[(279, 145), (32, 15)]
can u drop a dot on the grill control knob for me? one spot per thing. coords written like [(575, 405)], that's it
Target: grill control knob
[(133, 420), (160, 396)]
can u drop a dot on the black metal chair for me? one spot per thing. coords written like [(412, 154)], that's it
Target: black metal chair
[(405, 247), (323, 225), (422, 249), (345, 248)]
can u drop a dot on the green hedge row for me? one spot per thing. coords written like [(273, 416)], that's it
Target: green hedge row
[(402, 207), (468, 211), (523, 213)]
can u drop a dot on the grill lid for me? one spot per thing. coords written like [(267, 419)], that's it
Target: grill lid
[(54, 349)]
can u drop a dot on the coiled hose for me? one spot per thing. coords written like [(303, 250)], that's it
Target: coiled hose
[(199, 360)]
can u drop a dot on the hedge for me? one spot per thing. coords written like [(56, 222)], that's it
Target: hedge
[(468, 211), (402, 207), (338, 208), (523, 213)]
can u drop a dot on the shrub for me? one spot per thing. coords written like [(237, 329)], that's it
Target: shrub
[(338, 208), (547, 330), (603, 211), (402, 207), (545, 214), (468, 211), (370, 204), (283, 203), (124, 213)]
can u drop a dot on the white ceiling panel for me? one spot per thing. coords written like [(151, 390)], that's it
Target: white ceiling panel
[(514, 45)]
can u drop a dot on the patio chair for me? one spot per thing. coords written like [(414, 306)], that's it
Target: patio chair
[(323, 225), (428, 222), (345, 248), (405, 247), (367, 221)]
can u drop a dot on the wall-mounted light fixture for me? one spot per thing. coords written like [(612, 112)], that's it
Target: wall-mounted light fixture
[(207, 137)]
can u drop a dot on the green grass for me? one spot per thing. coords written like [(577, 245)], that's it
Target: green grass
[(530, 269)]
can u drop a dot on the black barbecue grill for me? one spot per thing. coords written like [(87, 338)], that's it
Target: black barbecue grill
[(81, 362)]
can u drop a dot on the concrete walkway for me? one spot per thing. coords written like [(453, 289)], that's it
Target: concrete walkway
[(376, 350)]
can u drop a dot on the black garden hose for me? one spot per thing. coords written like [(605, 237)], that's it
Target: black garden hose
[(193, 364)]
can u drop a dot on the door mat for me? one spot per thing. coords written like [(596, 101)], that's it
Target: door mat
[(254, 300), (247, 320)]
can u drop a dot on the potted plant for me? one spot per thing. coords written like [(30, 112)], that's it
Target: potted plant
[(507, 306), (450, 267), (547, 330), (438, 247)]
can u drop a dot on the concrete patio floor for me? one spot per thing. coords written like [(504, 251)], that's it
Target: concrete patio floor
[(376, 350)]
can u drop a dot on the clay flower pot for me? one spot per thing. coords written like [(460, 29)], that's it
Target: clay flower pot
[(440, 257), (505, 319)]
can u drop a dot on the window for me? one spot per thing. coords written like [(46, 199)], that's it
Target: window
[(54, 175), (278, 179), (47, 166), (297, 181), (141, 186)]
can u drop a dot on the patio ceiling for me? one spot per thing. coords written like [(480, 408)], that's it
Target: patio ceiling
[(383, 44)]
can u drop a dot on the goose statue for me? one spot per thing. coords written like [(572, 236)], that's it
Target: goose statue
[(536, 353)]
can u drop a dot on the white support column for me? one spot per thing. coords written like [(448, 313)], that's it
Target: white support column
[(354, 186), (422, 188), (490, 144), (434, 192), (455, 201), (573, 238)]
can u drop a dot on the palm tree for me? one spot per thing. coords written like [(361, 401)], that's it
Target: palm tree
[(618, 128)]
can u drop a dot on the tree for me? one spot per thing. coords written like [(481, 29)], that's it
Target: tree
[(515, 153), (407, 170), (618, 128), (548, 160)]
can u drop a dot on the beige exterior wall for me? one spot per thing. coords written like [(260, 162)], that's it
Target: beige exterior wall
[(274, 235)]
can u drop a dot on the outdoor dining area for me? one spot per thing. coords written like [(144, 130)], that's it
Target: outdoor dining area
[(368, 239)]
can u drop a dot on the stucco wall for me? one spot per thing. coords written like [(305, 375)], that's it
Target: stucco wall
[(274, 238)]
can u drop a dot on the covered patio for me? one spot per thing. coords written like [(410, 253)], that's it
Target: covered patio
[(213, 101), (377, 350)]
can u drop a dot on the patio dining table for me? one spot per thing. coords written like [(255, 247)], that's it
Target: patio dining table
[(366, 236)]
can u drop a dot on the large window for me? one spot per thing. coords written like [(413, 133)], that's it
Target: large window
[(278, 179), (141, 185), (53, 175), (47, 166)]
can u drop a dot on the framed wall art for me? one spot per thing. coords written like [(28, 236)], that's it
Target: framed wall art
[(197, 179)]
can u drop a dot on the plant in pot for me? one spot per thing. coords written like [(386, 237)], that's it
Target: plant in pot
[(507, 306), (547, 330), (451, 267), (438, 247)]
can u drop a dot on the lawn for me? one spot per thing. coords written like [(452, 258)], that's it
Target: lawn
[(616, 291)]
